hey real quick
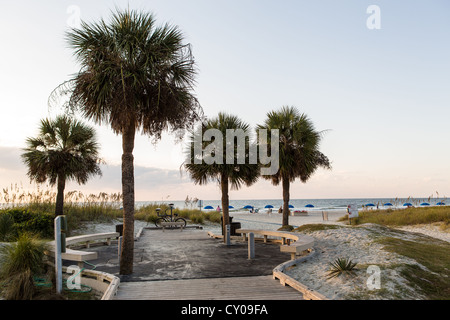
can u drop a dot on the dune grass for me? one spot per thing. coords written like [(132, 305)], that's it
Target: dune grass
[(21, 261), (405, 217), (434, 281), (148, 213), (83, 208)]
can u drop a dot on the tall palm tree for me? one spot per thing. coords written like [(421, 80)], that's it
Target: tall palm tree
[(65, 149), (231, 172), (135, 76), (299, 154)]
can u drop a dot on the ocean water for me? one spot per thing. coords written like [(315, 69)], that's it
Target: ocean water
[(300, 204)]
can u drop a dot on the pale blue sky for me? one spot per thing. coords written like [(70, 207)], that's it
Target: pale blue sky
[(384, 95)]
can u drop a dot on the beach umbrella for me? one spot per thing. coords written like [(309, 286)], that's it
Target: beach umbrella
[(248, 207), (230, 207), (208, 207), (440, 204), (269, 206), (370, 205), (291, 206), (407, 204), (425, 204), (309, 206), (387, 204)]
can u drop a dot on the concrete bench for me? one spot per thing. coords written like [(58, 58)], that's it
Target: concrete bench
[(290, 242), (166, 224), (89, 238), (299, 246), (78, 255), (285, 237), (74, 255)]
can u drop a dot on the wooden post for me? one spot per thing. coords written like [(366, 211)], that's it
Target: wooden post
[(58, 259), (251, 245), (119, 246), (227, 234)]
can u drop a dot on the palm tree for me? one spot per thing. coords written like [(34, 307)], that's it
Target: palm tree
[(65, 149), (231, 172), (134, 76), (299, 154)]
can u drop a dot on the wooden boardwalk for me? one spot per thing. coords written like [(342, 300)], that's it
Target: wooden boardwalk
[(232, 288)]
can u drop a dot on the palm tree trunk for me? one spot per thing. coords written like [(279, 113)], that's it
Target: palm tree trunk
[(59, 210), (286, 185), (127, 252), (225, 203)]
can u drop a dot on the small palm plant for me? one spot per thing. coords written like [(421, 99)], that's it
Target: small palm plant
[(21, 261), (341, 266)]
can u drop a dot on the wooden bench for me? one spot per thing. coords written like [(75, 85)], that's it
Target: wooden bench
[(78, 255), (290, 242), (172, 224)]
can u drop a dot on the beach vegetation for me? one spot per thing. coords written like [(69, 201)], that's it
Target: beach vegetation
[(135, 76), (20, 262), (299, 155), (405, 217), (286, 228), (37, 205), (316, 227), (6, 227), (230, 174), (64, 150), (14, 222), (431, 275), (341, 266), (148, 213)]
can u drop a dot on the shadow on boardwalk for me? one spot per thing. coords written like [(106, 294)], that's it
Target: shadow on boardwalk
[(189, 254)]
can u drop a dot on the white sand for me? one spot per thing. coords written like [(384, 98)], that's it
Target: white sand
[(355, 243)]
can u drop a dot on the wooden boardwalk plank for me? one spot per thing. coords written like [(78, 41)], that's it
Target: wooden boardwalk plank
[(233, 288)]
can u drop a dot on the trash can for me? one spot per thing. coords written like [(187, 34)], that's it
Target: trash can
[(233, 226), (119, 229)]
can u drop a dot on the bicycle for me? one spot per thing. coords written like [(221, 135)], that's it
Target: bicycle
[(172, 217)]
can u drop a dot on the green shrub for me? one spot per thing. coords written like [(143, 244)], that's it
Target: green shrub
[(286, 228), (20, 262), (7, 230), (26, 221)]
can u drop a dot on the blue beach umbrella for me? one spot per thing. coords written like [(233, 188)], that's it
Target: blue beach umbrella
[(291, 206), (440, 203), (208, 207), (387, 204), (309, 206), (425, 204), (248, 207), (230, 207), (269, 206), (370, 205), (407, 204)]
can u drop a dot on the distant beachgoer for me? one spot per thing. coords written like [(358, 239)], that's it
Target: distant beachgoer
[(280, 210), (218, 209)]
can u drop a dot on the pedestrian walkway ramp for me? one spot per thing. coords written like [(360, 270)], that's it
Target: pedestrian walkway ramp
[(230, 288)]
